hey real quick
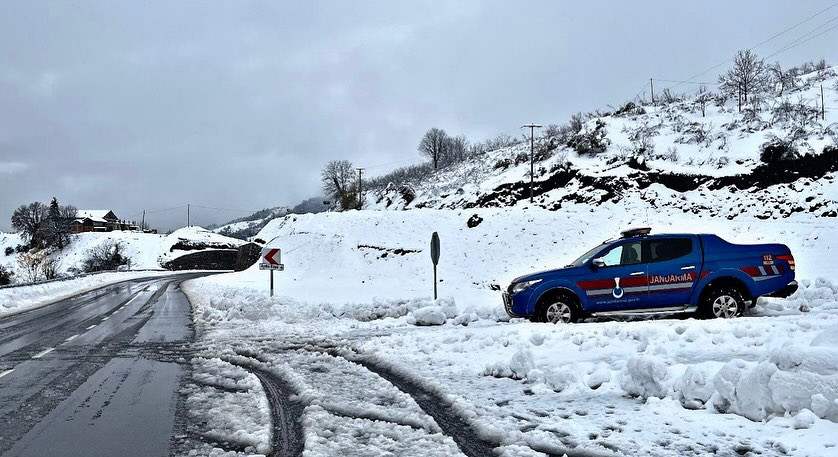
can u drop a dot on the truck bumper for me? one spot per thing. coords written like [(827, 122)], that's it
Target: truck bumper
[(789, 289), (507, 305)]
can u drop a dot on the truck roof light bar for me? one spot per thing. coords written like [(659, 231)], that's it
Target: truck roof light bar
[(631, 233)]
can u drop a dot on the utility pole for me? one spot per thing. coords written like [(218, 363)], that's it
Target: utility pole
[(652, 88), (142, 226), (187, 215), (823, 107), (532, 128), (360, 181)]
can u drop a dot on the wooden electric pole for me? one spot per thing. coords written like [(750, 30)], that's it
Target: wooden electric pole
[(532, 128), (360, 181), (823, 107), (187, 216), (652, 89), (142, 226)]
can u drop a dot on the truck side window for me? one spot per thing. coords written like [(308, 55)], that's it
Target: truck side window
[(626, 254), (665, 249)]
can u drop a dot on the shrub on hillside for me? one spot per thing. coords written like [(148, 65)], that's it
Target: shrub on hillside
[(576, 123), (49, 267), (5, 276), (777, 150), (10, 250), (591, 141), (30, 264), (629, 109), (109, 255)]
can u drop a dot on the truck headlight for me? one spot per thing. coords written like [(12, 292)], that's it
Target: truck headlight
[(519, 286)]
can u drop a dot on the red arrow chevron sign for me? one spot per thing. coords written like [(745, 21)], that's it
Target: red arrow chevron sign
[(271, 259)]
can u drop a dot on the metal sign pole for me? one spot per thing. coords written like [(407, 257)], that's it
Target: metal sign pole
[(272, 283), (435, 256), (434, 282)]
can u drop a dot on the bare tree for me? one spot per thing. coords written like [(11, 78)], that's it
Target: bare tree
[(433, 145), (748, 75), (338, 182), (30, 220), (456, 149)]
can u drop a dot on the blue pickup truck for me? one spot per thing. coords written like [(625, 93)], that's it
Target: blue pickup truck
[(641, 273)]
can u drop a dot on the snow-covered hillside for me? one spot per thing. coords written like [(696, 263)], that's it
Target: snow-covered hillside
[(248, 226), (147, 251), (668, 155)]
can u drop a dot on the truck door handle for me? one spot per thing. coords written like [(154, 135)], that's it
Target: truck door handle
[(636, 273), (688, 267)]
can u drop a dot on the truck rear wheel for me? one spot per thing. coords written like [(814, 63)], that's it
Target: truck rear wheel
[(722, 302)]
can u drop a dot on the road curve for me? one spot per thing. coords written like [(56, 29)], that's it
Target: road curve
[(96, 374)]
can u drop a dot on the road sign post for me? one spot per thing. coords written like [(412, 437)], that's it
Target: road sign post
[(435, 256), (270, 259)]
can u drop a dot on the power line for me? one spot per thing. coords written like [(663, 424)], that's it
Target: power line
[(795, 25), (684, 82), (166, 209), (798, 41), (759, 44), (225, 209)]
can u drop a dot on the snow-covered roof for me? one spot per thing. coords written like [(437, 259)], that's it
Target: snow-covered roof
[(97, 215)]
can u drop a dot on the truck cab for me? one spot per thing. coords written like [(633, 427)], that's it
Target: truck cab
[(640, 273)]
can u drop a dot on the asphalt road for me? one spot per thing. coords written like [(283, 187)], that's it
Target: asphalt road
[(96, 374)]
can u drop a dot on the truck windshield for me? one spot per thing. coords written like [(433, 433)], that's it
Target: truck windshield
[(587, 256)]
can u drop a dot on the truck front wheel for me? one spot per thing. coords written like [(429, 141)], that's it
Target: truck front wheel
[(558, 308), (722, 302)]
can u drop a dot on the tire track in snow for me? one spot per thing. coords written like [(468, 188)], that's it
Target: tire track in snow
[(441, 409), (286, 414), (451, 423)]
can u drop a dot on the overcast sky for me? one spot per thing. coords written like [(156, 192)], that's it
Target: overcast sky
[(237, 105)]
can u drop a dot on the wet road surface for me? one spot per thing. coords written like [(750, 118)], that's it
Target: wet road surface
[(96, 374)]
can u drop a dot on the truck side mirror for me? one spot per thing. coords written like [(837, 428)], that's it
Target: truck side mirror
[(597, 263)]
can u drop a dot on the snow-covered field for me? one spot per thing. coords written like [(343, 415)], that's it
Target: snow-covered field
[(358, 283)]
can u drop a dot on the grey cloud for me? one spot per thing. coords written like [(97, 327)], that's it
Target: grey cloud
[(132, 105)]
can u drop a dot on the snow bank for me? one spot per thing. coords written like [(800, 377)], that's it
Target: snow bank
[(216, 304), (436, 314), (645, 377), (792, 379)]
